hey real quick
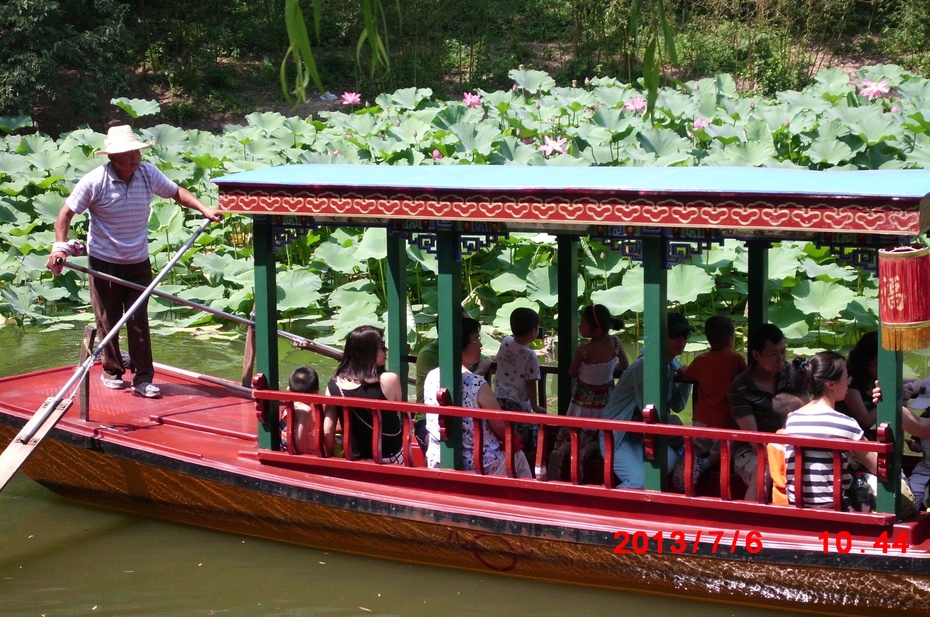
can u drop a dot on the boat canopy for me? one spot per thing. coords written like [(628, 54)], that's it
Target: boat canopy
[(653, 208), (740, 201)]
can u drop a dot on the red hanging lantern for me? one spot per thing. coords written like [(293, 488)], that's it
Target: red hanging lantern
[(903, 298)]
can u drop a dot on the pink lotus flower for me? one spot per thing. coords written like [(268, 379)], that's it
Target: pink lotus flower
[(700, 123), (894, 109), (437, 155), (587, 81), (553, 146), (351, 98), (472, 100), (637, 105), (872, 90)]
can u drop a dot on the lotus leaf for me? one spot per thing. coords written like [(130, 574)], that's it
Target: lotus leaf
[(827, 271), (610, 96), (406, 98), (35, 143), (687, 283), (298, 289), (136, 108), (512, 151), (863, 312), (821, 298), (542, 285), (532, 82), (791, 320), (663, 142), (8, 124), (628, 296)]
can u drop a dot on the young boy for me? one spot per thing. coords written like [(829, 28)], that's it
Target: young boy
[(713, 371), (304, 379), (518, 370), (782, 405)]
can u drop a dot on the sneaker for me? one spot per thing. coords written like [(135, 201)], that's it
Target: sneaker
[(146, 389), (113, 383)]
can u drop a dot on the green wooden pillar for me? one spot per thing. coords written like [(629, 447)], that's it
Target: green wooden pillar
[(758, 292), (450, 339), (266, 326), (655, 348), (567, 264), (890, 377), (397, 308)]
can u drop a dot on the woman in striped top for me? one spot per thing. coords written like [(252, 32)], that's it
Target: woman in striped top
[(829, 383)]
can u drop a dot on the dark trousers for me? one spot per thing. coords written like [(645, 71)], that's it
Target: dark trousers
[(110, 301)]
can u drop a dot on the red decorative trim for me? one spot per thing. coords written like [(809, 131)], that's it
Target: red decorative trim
[(858, 215)]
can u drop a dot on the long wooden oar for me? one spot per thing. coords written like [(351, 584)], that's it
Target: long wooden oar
[(303, 343), (323, 350), (52, 410)]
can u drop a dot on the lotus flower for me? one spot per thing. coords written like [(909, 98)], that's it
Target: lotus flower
[(472, 100), (437, 155), (351, 98), (872, 90), (637, 105), (553, 146), (700, 123)]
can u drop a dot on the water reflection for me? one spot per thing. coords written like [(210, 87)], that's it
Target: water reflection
[(60, 558)]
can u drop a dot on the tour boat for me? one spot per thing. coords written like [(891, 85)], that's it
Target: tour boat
[(208, 452)]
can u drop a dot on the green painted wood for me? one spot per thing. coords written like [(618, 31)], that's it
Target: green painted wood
[(757, 299), (567, 246), (890, 377), (396, 333), (266, 326), (449, 283), (655, 349)]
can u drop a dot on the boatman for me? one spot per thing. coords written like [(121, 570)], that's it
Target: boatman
[(117, 198)]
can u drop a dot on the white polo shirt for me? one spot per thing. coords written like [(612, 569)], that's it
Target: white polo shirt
[(119, 211)]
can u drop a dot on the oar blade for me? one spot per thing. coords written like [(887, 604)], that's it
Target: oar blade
[(19, 449)]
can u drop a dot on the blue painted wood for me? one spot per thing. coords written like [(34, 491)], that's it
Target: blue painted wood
[(905, 184)]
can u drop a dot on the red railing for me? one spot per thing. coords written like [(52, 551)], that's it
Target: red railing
[(649, 428)]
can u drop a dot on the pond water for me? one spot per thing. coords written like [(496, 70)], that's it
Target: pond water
[(58, 558)]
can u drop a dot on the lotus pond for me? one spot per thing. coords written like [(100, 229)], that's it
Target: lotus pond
[(331, 280)]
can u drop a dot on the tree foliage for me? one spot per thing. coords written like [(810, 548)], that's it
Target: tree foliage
[(45, 41)]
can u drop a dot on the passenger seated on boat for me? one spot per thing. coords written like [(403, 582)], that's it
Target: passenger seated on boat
[(713, 371), (829, 384), (596, 364), (862, 364), (359, 374), (751, 395), (427, 360), (783, 404), (476, 392), (518, 371), (920, 476), (303, 379), (626, 402)]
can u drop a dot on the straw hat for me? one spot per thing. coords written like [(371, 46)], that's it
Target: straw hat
[(121, 139)]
